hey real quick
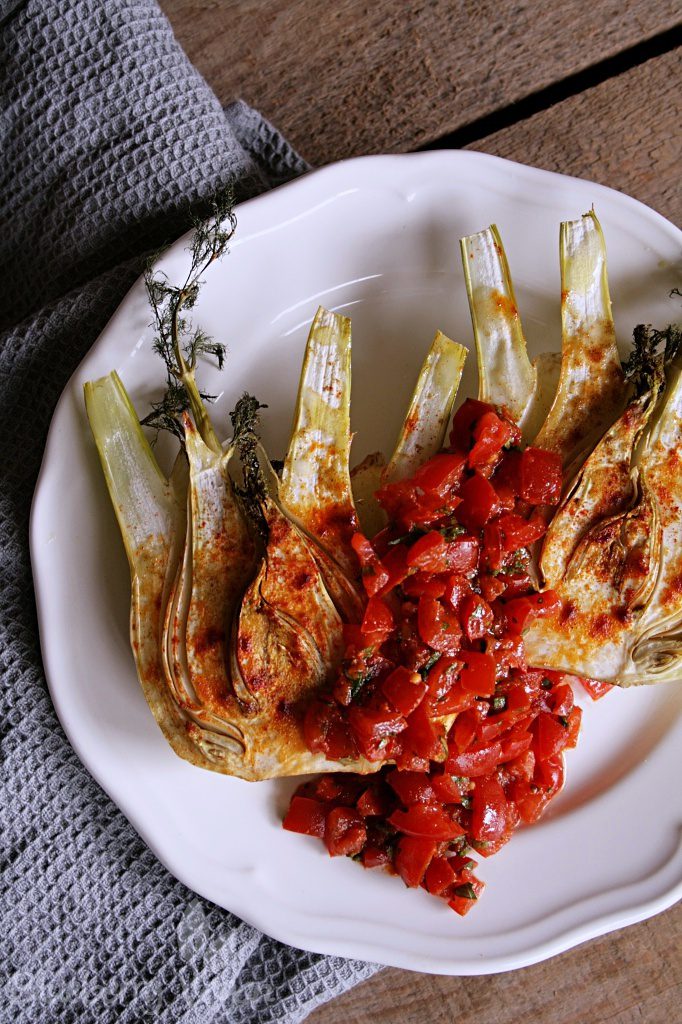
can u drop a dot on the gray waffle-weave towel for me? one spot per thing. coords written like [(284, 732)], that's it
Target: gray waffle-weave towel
[(109, 138)]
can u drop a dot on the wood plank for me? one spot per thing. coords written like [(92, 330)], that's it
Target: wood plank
[(624, 133), (351, 77), (629, 977)]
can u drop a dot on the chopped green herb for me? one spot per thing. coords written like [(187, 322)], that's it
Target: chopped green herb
[(357, 686), (499, 703), (546, 684), (450, 532), (429, 664), (519, 562), (466, 891), (564, 721)]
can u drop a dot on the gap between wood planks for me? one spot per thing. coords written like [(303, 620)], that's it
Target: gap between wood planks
[(552, 94)]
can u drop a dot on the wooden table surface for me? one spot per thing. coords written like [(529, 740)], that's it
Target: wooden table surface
[(589, 89)]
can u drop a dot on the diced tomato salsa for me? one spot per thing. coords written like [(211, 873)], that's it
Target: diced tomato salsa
[(434, 686)]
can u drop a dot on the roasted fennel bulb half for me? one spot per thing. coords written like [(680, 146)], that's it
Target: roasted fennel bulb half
[(613, 551), (242, 581)]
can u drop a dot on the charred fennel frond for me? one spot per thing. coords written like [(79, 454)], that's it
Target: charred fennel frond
[(652, 351), (245, 419), (176, 341)]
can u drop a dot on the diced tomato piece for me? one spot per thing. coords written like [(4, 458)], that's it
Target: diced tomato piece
[(396, 499), (491, 586), (508, 472), (521, 611), (439, 876), (493, 550), (522, 767), (460, 901), (529, 799), (427, 821), (395, 564), (561, 700), (375, 856), (517, 532), (594, 687), (462, 554), (476, 617), (411, 787), (423, 736), (454, 701), (574, 721), (404, 689), (549, 774), (378, 618), (490, 434), (505, 497), (509, 653), (407, 760), (466, 727), (410, 506), (428, 508), (463, 865), (306, 816), (374, 576), (518, 699), (327, 732), (464, 421), (444, 695), (478, 673), (442, 675), (337, 788), (550, 736), (473, 764), (515, 583), (440, 474), (456, 587), (373, 726), (492, 727), (345, 832), (541, 477), (428, 553), (447, 787), (514, 744), (385, 539), (354, 638), (438, 626), (424, 584), (412, 858), (374, 801), (489, 810), (479, 502)]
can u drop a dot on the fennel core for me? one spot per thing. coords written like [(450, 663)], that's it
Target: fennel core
[(178, 345)]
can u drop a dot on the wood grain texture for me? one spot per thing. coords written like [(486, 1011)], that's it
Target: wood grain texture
[(349, 77), (630, 977), (624, 133)]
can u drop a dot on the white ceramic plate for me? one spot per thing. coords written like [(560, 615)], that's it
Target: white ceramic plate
[(377, 238)]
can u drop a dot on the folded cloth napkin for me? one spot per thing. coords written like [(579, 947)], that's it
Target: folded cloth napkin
[(110, 139)]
